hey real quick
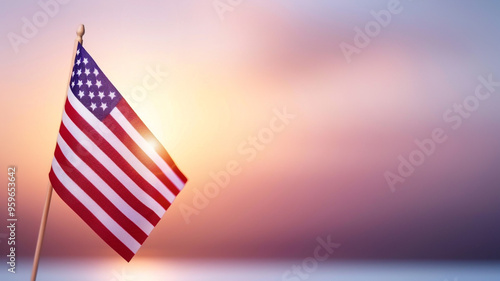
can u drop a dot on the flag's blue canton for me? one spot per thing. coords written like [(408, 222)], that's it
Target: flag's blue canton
[(91, 86)]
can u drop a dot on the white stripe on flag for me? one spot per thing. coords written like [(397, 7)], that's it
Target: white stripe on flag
[(104, 188), (93, 149), (115, 142), (95, 209), (148, 149)]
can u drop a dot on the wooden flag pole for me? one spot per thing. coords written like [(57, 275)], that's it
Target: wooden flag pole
[(79, 34)]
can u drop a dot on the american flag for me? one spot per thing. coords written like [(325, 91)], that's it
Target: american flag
[(108, 167)]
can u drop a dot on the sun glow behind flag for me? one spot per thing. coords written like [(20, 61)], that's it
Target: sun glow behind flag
[(108, 167)]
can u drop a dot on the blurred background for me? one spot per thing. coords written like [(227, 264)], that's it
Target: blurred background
[(227, 69)]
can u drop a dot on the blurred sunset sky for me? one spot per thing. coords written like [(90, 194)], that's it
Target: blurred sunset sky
[(323, 174)]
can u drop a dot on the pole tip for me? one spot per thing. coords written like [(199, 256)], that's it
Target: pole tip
[(80, 32)]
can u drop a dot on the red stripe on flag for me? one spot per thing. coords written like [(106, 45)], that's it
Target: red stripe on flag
[(137, 123), (119, 132), (114, 155), (89, 218), (101, 200), (111, 180)]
